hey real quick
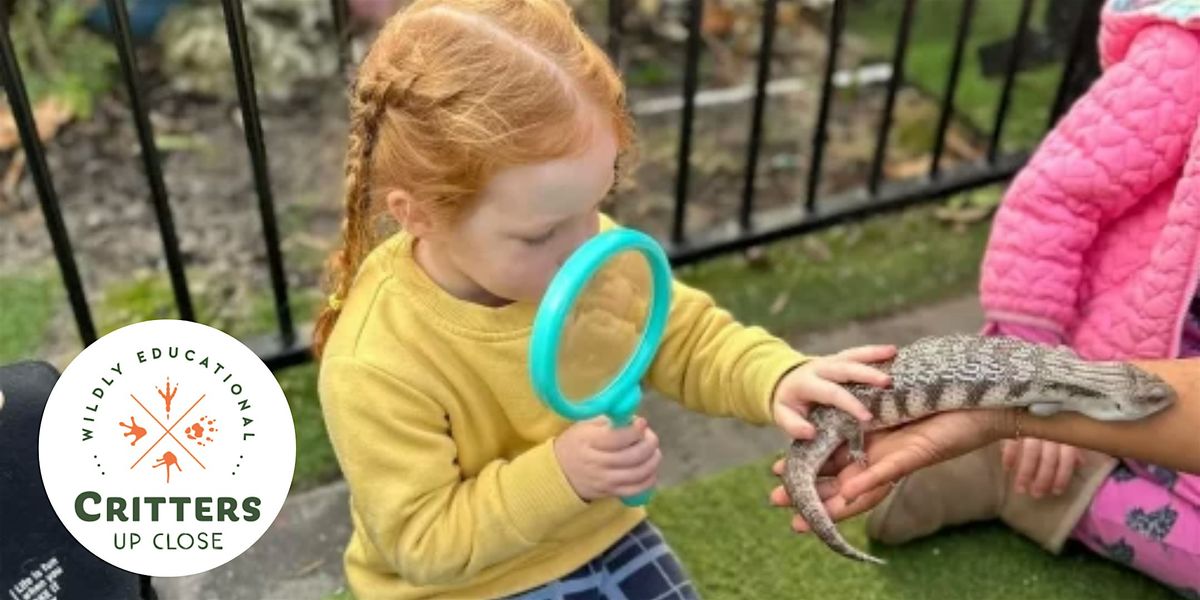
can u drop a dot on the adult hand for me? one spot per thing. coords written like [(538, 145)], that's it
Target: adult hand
[(894, 453)]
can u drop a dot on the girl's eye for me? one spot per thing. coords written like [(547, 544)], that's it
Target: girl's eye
[(538, 241)]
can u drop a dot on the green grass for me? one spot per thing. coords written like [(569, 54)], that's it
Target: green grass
[(27, 303), (850, 272), (931, 46), (757, 556), (150, 297), (140, 299)]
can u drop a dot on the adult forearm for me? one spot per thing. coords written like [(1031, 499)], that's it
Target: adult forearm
[(1170, 438)]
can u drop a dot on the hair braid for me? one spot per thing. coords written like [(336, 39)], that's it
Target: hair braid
[(368, 103)]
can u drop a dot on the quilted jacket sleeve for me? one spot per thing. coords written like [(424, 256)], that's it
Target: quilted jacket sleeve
[(1127, 135)]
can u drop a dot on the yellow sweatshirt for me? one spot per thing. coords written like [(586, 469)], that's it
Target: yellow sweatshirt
[(455, 490)]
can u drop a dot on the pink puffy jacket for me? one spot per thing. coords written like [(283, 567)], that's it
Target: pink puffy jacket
[(1097, 242)]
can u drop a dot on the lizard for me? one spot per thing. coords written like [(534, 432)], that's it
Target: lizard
[(962, 371)]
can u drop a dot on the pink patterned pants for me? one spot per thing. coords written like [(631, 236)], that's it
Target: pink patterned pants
[(1148, 518)]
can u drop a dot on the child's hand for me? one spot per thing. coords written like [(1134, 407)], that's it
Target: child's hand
[(602, 461), (1041, 466), (816, 382)]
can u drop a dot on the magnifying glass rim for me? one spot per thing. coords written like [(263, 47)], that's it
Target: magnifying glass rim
[(560, 297)]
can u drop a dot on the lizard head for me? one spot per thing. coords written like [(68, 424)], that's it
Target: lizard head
[(1124, 393), (1148, 393)]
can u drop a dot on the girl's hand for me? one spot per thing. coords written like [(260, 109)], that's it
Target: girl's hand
[(1041, 466), (601, 461), (816, 382)]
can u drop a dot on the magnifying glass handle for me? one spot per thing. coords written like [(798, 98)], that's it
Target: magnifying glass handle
[(624, 418), (638, 499)]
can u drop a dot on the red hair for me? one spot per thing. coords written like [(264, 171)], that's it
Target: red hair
[(451, 92)]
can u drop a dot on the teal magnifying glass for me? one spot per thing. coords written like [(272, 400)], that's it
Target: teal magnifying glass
[(598, 327)]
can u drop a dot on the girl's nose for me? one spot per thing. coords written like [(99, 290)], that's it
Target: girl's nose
[(570, 249), (580, 235)]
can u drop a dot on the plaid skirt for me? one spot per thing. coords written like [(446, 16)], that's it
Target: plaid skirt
[(639, 566)]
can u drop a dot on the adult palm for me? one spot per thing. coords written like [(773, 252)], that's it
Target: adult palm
[(850, 488)]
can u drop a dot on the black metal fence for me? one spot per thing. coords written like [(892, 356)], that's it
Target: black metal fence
[(286, 348)]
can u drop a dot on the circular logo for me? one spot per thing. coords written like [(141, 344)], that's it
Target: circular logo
[(167, 448)]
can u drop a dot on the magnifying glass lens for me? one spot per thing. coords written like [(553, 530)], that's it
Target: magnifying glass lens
[(605, 325)]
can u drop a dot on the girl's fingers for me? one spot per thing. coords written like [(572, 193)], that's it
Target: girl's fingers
[(868, 354), (633, 490), (832, 394), (1043, 478), (640, 473), (794, 424), (845, 371), (634, 455), (1008, 456), (1030, 454), (619, 438), (1067, 460)]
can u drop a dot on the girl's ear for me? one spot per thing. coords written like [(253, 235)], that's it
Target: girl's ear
[(408, 213)]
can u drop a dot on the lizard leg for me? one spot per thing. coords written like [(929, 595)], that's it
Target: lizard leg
[(854, 435), (858, 446)]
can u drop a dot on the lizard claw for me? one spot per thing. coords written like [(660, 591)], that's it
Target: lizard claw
[(859, 457)]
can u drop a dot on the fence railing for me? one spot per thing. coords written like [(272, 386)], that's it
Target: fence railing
[(286, 347)]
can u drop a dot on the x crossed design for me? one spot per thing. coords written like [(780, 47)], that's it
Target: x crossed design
[(167, 431)]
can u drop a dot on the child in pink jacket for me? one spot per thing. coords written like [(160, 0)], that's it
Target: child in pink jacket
[(1096, 246)]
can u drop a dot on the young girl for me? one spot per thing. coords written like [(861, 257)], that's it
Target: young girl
[(1096, 246), (489, 130)]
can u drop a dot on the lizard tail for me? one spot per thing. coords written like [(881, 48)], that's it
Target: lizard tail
[(799, 478)]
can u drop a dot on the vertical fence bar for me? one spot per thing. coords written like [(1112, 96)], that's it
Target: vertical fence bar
[(960, 46), (898, 55), (18, 100), (341, 34), (1082, 35), (616, 14), (766, 49), (238, 47), (837, 23), (150, 159), (1010, 77), (691, 76)]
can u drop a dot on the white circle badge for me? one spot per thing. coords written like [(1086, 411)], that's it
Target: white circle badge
[(167, 448)]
